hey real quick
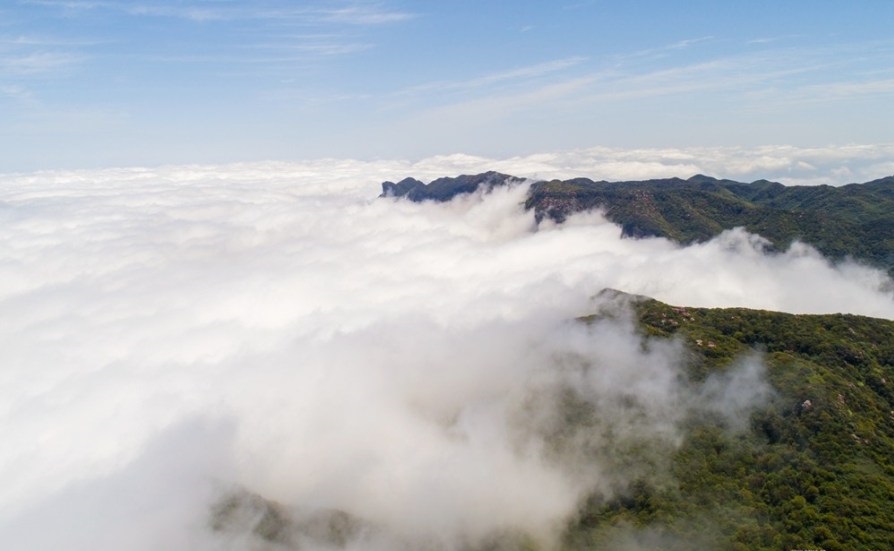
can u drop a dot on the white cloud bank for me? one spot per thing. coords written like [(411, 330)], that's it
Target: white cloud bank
[(791, 165), (168, 334)]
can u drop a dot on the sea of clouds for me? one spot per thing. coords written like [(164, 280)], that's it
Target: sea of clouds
[(177, 335)]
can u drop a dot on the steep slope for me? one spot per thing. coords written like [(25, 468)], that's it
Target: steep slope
[(812, 470), (856, 220)]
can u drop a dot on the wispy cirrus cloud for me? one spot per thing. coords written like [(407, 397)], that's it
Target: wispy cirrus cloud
[(851, 89), (661, 51), (42, 41), (485, 109), (322, 43), (195, 11), (300, 33), (757, 80), (358, 13), (365, 15), (192, 13), (37, 62), (20, 94), (839, 91), (580, 80), (771, 39), (498, 77), (731, 73), (679, 45)]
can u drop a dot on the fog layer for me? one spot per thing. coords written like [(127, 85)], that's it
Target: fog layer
[(173, 335)]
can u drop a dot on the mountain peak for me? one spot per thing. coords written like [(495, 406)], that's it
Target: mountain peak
[(701, 179), (446, 188)]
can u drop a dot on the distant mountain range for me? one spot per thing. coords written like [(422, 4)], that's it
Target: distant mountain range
[(854, 220)]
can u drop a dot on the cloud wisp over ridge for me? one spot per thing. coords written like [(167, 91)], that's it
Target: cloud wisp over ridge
[(173, 333)]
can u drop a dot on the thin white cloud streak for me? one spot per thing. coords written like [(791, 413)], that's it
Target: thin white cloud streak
[(770, 78), (45, 41), (576, 92), (356, 15), (521, 73), (484, 110), (315, 33), (274, 326), (721, 74), (21, 95), (655, 53), (361, 14), (365, 15), (37, 63), (70, 4), (688, 42), (288, 56), (847, 90)]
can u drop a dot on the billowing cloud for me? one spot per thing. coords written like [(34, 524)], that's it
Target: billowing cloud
[(173, 334)]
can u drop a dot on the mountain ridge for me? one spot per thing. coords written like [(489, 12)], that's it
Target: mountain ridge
[(855, 220)]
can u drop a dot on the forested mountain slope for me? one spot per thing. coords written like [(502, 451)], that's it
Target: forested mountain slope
[(814, 469), (855, 220)]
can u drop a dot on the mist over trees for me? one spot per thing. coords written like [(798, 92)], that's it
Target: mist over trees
[(268, 356)]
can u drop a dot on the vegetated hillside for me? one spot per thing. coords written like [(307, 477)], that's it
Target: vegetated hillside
[(855, 220), (814, 469)]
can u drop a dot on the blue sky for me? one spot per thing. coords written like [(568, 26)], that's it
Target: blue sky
[(94, 83)]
